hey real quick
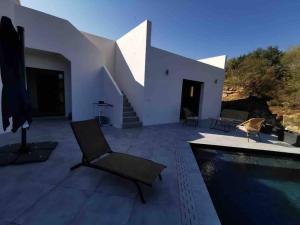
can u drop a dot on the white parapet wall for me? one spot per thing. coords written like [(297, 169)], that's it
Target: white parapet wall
[(107, 47), (130, 64), (217, 61), (112, 95)]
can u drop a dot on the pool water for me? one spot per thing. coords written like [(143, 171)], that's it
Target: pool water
[(250, 189)]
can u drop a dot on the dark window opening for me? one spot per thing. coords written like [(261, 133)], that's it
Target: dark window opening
[(46, 91)]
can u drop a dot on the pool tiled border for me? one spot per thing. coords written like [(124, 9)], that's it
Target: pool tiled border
[(196, 205)]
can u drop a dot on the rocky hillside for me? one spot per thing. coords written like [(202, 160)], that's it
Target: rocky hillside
[(236, 98), (270, 75)]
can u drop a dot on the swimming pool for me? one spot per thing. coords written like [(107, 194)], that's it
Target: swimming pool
[(249, 189)]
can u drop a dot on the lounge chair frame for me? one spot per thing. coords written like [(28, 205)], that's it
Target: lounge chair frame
[(87, 163), (190, 117), (248, 128), (228, 119)]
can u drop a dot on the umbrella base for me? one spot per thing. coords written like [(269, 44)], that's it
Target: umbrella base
[(35, 152)]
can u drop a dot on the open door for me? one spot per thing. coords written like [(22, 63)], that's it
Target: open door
[(46, 91), (190, 97)]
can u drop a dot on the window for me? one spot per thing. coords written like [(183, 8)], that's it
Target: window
[(192, 91)]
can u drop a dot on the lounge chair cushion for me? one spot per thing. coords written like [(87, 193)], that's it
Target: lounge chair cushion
[(252, 125), (130, 166), (91, 139)]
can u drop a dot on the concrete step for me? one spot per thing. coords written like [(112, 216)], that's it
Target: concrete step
[(126, 104), (130, 119), (132, 124), (126, 114), (128, 109)]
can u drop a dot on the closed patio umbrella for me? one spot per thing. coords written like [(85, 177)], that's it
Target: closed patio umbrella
[(15, 101)]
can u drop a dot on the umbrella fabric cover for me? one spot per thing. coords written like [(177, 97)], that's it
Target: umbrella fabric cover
[(15, 101)]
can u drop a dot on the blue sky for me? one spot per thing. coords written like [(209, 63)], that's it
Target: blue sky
[(193, 28)]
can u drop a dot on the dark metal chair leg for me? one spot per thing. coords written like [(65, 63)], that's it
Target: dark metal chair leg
[(76, 166), (140, 192), (159, 175)]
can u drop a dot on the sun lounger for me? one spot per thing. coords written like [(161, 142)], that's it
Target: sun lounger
[(229, 119), (96, 153), (190, 117), (252, 126)]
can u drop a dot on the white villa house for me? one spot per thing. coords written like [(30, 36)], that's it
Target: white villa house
[(69, 70)]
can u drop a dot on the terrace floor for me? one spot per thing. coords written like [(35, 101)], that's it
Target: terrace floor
[(236, 139), (49, 193)]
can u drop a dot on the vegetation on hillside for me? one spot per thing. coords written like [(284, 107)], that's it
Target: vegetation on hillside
[(269, 74)]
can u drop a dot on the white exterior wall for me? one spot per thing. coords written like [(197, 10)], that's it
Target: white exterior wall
[(48, 33), (217, 61), (132, 66), (163, 92), (50, 61), (130, 63), (107, 47)]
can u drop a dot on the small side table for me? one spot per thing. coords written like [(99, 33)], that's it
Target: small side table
[(100, 106)]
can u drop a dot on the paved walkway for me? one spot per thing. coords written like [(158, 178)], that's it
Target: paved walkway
[(48, 193)]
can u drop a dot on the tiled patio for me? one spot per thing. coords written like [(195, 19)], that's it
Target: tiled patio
[(48, 193), (238, 139)]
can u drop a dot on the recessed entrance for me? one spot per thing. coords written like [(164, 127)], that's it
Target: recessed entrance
[(46, 91), (190, 97)]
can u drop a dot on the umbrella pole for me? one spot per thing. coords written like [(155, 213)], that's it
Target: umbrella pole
[(24, 147), (23, 140)]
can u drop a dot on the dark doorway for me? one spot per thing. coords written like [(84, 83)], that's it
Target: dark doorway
[(190, 97), (46, 91)]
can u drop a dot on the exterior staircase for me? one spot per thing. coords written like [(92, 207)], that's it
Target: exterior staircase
[(130, 118)]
